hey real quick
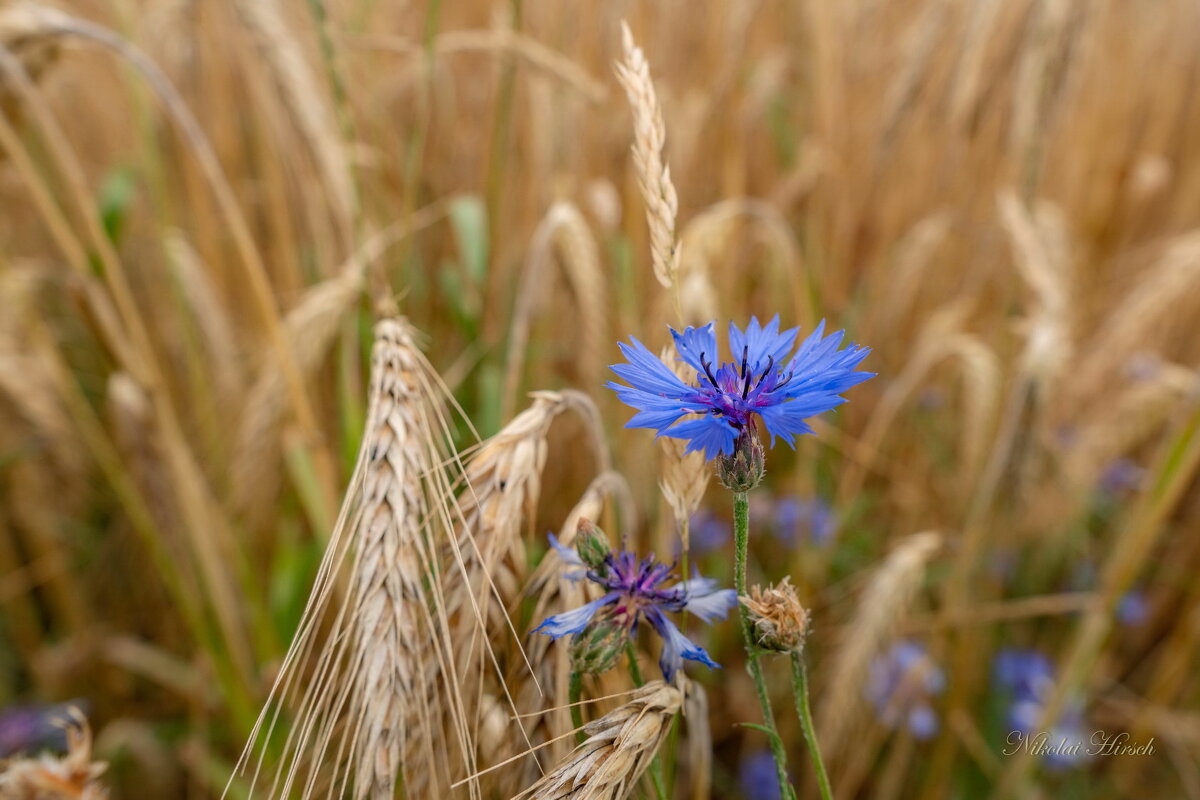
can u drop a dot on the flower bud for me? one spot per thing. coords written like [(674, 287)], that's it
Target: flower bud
[(592, 545), (595, 649), (780, 622), (743, 470)]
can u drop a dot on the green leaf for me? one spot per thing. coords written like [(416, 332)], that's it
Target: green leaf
[(117, 193), (469, 219)]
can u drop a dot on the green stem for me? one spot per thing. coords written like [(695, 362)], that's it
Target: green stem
[(741, 537), (634, 670), (574, 690), (800, 691)]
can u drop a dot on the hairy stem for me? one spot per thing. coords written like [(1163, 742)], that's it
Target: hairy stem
[(574, 690), (741, 537), (800, 692)]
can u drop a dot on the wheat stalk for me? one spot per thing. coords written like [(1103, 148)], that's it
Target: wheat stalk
[(303, 96), (23, 33), (311, 327), (619, 747), (649, 141), (563, 229)]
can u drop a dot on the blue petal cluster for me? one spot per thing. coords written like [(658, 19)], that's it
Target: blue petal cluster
[(902, 684), (762, 381), (634, 590), (1028, 677), (757, 777)]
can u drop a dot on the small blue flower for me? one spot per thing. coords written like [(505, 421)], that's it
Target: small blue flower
[(902, 685), (1133, 608), (1121, 475), (708, 532), (761, 382), (795, 516), (30, 729), (1028, 677), (634, 590), (757, 777)]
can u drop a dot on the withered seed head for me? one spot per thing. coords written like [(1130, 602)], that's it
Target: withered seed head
[(780, 622)]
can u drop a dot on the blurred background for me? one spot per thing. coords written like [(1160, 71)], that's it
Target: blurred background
[(204, 204)]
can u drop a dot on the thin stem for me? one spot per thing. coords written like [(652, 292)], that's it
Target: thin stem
[(800, 692), (635, 671), (742, 540), (685, 546), (741, 536), (574, 690)]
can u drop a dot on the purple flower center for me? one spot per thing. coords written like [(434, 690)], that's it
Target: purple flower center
[(734, 391), (637, 584)]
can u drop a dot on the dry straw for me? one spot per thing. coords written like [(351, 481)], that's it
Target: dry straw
[(1167, 292), (941, 338), (304, 98), (563, 230), (1043, 259), (619, 747), (492, 514), (649, 142), (24, 35), (311, 328)]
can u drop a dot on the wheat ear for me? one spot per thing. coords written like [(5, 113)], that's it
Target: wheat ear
[(619, 747), (649, 141), (359, 690)]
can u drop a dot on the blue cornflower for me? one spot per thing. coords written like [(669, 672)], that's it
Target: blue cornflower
[(635, 589), (761, 381), (1028, 677), (901, 686)]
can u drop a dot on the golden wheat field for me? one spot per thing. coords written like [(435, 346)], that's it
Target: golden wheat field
[(323, 329)]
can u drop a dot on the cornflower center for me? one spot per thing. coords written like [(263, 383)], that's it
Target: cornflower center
[(638, 586), (737, 387)]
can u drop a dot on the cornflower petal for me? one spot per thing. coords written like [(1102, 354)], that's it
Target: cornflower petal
[(779, 421), (676, 646), (647, 370), (573, 621), (706, 601), (567, 554), (709, 433), (761, 344), (570, 558), (696, 345)]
